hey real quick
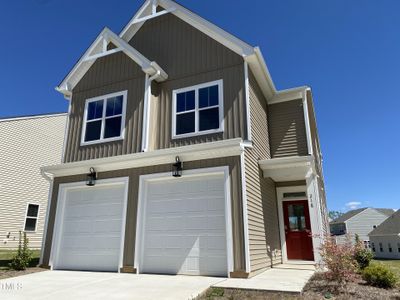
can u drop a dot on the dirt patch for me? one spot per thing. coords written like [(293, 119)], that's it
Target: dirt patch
[(6, 273), (317, 288)]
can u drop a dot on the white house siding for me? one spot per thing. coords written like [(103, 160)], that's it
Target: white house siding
[(26, 144), (393, 240), (363, 223)]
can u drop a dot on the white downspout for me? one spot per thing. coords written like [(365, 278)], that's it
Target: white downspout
[(50, 180), (146, 110)]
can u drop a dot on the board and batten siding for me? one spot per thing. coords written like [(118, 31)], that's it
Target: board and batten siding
[(364, 222), (264, 242), (190, 57), (110, 74), (27, 144), (287, 129), (130, 230)]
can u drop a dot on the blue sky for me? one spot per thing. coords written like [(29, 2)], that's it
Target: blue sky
[(347, 51)]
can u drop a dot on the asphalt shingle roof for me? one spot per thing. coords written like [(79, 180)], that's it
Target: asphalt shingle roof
[(390, 226), (352, 213)]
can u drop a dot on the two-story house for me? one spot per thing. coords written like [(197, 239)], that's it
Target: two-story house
[(27, 143), (182, 157)]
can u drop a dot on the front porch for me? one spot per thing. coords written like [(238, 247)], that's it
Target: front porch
[(299, 208)]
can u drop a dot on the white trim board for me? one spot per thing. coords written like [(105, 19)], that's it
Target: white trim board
[(224, 148), (61, 199), (144, 179)]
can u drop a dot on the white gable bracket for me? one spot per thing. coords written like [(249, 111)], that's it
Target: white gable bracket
[(153, 15), (103, 53), (99, 49)]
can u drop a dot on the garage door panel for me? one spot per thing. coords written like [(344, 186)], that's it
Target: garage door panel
[(90, 237), (184, 227)]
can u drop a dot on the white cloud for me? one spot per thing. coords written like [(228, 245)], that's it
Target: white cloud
[(353, 204)]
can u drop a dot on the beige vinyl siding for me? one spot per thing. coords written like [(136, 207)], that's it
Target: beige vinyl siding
[(190, 58), (130, 231), (393, 240), (26, 145), (364, 222), (113, 73), (264, 242), (287, 129)]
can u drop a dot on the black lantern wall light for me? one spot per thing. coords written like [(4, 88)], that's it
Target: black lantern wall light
[(91, 177), (177, 167)]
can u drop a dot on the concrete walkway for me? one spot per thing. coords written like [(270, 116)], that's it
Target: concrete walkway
[(286, 280), (67, 285)]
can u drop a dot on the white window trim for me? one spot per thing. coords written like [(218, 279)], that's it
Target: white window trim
[(26, 216), (197, 109), (145, 179), (103, 118)]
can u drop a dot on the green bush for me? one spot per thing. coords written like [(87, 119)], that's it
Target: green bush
[(24, 256), (379, 275), (363, 257)]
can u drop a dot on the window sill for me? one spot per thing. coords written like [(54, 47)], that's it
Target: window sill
[(102, 141), (194, 134)]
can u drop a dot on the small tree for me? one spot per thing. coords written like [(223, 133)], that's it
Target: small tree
[(24, 255), (339, 260)]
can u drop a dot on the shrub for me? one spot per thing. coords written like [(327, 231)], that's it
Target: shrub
[(362, 256), (339, 260), (24, 256), (379, 275)]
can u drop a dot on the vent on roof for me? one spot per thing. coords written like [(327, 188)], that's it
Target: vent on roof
[(294, 195)]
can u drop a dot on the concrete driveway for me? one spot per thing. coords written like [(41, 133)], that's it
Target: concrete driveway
[(68, 285)]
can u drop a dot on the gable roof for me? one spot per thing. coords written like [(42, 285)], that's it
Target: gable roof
[(352, 213), (99, 49), (251, 54), (388, 227)]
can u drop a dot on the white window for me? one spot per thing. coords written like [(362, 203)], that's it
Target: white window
[(31, 217), (104, 118), (198, 110)]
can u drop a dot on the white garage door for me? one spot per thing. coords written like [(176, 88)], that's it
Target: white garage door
[(89, 230), (184, 227)]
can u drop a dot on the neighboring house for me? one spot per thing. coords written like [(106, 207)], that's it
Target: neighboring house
[(182, 157), (27, 144), (359, 221), (385, 239)]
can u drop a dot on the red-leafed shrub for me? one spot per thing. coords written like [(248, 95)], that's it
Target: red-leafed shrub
[(339, 259)]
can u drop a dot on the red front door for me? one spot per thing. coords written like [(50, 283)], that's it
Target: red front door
[(298, 230)]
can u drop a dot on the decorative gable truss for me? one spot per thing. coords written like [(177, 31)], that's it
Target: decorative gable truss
[(99, 48)]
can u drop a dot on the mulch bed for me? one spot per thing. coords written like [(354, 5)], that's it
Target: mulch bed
[(319, 288), (316, 289), (6, 273)]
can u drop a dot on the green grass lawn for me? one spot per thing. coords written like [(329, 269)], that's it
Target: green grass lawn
[(392, 264), (7, 255)]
